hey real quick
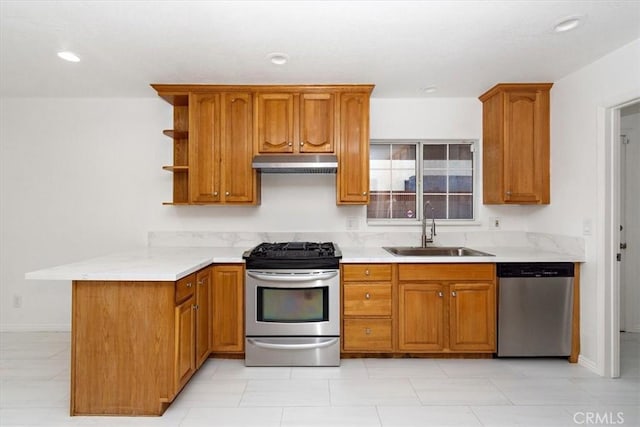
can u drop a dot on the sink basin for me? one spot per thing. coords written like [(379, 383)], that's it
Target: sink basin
[(434, 251)]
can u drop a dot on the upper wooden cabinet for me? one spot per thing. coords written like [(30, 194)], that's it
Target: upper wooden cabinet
[(353, 156), (515, 129), (295, 122), (220, 149), (217, 129)]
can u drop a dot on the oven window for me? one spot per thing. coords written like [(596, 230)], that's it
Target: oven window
[(293, 304)]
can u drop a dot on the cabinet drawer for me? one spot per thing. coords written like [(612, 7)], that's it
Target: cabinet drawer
[(429, 272), (367, 299), (367, 335), (185, 287), (366, 272)]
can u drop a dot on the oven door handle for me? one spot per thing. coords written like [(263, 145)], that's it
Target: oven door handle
[(284, 277), (306, 346)]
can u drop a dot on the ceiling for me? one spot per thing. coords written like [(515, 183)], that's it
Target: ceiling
[(461, 47)]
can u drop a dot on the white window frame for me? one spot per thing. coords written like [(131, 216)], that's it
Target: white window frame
[(474, 143)]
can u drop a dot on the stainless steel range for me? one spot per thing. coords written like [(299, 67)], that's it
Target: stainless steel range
[(292, 296)]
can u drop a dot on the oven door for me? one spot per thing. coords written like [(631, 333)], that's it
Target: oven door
[(292, 303)]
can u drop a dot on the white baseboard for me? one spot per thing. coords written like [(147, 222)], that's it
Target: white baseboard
[(589, 364), (47, 327)]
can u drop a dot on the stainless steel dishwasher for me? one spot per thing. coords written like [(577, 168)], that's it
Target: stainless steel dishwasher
[(535, 303)]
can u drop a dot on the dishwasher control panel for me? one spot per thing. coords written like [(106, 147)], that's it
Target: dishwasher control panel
[(535, 269)]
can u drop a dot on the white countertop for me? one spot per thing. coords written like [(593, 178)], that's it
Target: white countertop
[(173, 263), (147, 264)]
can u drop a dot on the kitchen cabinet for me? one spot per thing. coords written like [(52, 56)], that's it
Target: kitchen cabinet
[(217, 129), (367, 308), (353, 155), (203, 315), (220, 149), (227, 304), (133, 344), (295, 122), (185, 327), (516, 143), (447, 308)]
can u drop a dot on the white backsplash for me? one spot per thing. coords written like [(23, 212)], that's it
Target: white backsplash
[(477, 239)]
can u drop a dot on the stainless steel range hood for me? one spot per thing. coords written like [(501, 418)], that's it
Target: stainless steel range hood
[(296, 163)]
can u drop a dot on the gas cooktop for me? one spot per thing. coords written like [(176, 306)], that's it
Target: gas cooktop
[(293, 255)]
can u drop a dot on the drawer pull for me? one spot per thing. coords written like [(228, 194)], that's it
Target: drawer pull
[(189, 285), (453, 294), (367, 295), (367, 331), (367, 272)]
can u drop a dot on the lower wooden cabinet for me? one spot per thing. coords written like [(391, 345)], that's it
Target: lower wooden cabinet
[(227, 304), (136, 344), (367, 307), (445, 309), (203, 315), (418, 308)]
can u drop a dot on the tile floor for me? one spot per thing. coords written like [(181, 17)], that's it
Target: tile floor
[(34, 391)]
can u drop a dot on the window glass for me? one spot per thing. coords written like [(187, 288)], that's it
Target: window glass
[(447, 181)]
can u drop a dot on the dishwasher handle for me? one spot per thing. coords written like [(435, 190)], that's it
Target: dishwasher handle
[(535, 269)]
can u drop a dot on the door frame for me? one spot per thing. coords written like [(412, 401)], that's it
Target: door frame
[(609, 305)]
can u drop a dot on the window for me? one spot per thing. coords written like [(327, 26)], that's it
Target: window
[(399, 192)]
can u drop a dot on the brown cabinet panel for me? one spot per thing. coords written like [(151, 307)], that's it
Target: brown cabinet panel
[(366, 272), (421, 323), (367, 335), (275, 122), (204, 147), (185, 287), (472, 316), (317, 123), (227, 301), (420, 272), (448, 308), (203, 316), (185, 360), (353, 158), (516, 144), (368, 299), (239, 183)]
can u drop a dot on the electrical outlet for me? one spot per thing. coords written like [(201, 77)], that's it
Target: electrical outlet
[(17, 301), (494, 223), (353, 223)]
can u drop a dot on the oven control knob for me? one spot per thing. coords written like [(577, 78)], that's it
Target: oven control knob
[(367, 295)]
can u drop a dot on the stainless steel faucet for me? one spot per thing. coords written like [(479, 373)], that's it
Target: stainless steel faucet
[(429, 239)]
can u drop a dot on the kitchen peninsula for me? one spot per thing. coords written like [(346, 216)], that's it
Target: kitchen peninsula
[(143, 321)]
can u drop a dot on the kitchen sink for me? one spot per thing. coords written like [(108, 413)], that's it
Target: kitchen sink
[(457, 251)]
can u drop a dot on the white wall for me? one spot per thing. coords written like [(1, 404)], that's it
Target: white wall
[(578, 175)]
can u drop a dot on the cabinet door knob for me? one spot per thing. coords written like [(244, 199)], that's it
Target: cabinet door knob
[(364, 193), (199, 282), (508, 193), (189, 285), (367, 331), (367, 295), (440, 294), (195, 306), (226, 193), (301, 143), (453, 294), (215, 193), (367, 272), (290, 144)]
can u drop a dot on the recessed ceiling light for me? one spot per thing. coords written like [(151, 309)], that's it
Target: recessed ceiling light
[(69, 56), (568, 24), (278, 58), (429, 89)]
